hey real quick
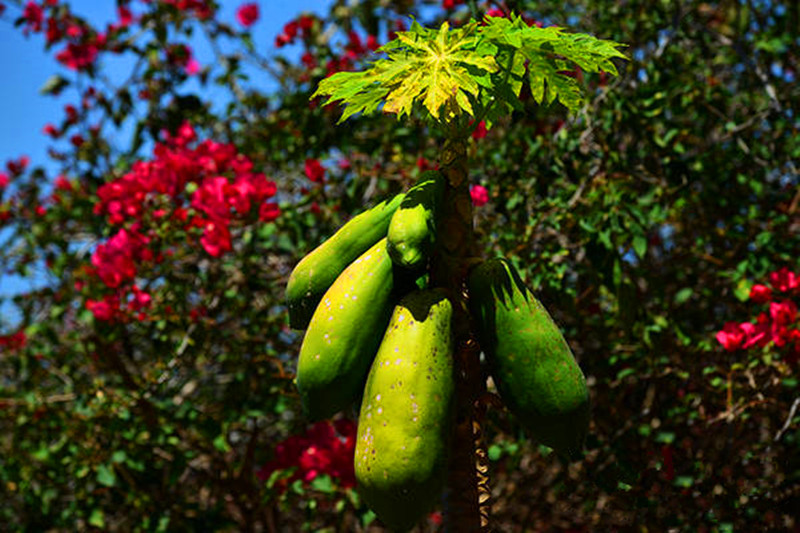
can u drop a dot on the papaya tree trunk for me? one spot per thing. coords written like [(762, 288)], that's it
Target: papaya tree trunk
[(466, 495)]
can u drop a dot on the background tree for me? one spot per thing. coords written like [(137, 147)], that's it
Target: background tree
[(148, 384)]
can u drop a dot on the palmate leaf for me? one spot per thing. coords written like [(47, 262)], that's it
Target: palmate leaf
[(432, 67), (549, 53), (485, 65)]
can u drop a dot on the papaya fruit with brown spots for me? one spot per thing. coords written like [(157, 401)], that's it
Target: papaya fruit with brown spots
[(535, 371), (406, 415)]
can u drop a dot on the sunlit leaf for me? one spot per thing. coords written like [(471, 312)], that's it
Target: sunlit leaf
[(453, 69), (428, 67)]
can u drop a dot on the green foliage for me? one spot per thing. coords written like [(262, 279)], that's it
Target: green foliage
[(423, 66), (639, 221), (453, 72)]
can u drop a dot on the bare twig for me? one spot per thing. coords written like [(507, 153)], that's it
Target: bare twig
[(788, 423)]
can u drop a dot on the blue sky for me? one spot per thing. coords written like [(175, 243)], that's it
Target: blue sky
[(25, 67)]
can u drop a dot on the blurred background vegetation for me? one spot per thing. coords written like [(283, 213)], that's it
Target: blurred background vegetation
[(641, 222)]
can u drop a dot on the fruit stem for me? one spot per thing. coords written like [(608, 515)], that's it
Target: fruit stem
[(466, 495)]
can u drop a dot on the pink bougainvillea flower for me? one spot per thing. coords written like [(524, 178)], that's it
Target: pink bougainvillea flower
[(372, 43), (480, 130), (480, 196), (125, 17), (62, 183), (247, 14), (50, 130), (305, 22), (269, 212), (760, 293), (4, 181), (115, 260), (239, 194), (309, 60), (192, 67), (264, 188), (17, 167), (423, 164), (314, 170), (757, 334), (103, 310), (140, 300), (72, 113), (211, 198), (33, 15), (78, 56), (784, 280), (185, 134), (216, 239), (15, 341), (783, 313), (732, 336), (324, 449), (781, 335), (291, 28)]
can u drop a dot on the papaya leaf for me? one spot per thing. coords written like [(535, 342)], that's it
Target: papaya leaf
[(476, 69), (550, 53), (429, 67)]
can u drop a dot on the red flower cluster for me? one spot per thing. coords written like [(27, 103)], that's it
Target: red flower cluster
[(480, 130), (497, 12), (314, 171), (353, 51), (326, 448), (778, 325), (126, 18), (202, 8), (115, 261), (480, 196), (83, 43), (423, 164), (201, 189), (81, 53), (33, 16), (451, 4), (247, 14), (51, 130), (181, 55), (12, 342), (15, 168), (301, 26)]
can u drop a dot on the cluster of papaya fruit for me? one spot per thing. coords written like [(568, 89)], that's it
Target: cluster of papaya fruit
[(378, 337)]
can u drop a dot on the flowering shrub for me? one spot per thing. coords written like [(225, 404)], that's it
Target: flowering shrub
[(247, 14), (777, 327), (327, 448), (145, 358), (480, 196), (200, 189)]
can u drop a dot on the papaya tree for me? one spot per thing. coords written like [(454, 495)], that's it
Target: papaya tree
[(411, 267)]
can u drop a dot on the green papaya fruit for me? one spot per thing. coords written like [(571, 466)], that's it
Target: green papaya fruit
[(534, 369), (317, 271), (412, 230), (406, 412), (344, 334)]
